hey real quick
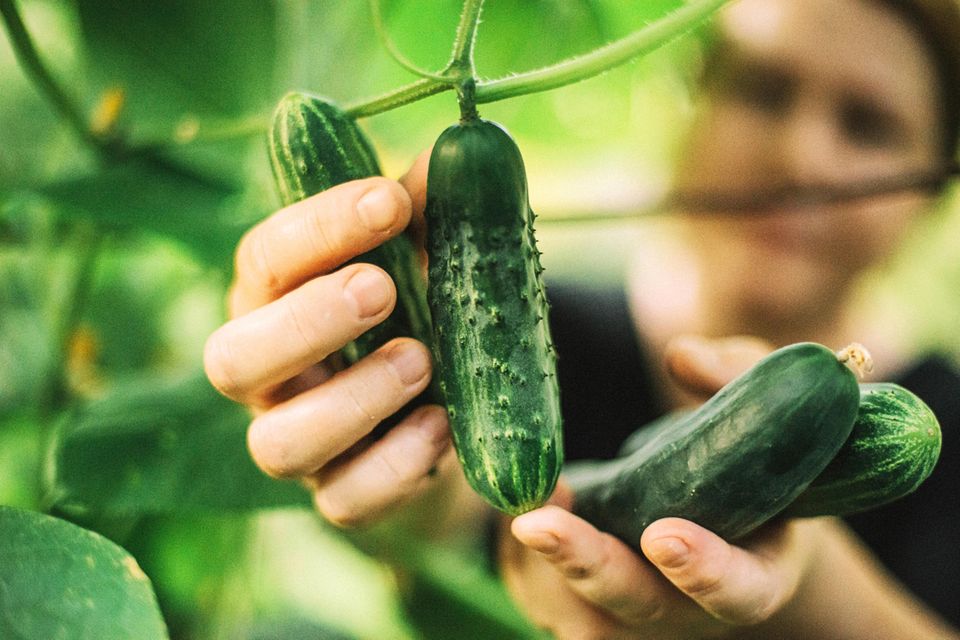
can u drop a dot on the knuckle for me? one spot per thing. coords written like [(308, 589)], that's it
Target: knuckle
[(404, 472), (703, 586), (335, 511), (252, 264), (398, 199), (299, 317), (577, 569), (763, 608), (356, 396), (314, 229), (650, 610), (217, 365), (269, 452)]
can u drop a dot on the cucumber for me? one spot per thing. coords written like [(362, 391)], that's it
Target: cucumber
[(313, 146), (662, 427), (737, 460), (893, 448), (496, 364)]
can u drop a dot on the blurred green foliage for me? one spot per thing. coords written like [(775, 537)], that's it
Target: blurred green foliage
[(114, 265), (113, 270)]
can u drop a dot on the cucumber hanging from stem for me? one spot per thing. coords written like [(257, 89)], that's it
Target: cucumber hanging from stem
[(496, 363)]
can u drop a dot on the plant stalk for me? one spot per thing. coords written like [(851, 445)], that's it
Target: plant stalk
[(602, 59), (26, 53), (463, 44), (563, 73), (417, 90)]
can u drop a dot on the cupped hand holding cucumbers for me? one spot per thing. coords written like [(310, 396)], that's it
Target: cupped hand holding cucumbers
[(295, 303), (581, 578)]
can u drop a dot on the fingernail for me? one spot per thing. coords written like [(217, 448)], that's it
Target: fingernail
[(377, 209), (370, 292), (669, 552), (409, 362)]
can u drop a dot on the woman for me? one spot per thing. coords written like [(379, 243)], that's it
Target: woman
[(822, 92)]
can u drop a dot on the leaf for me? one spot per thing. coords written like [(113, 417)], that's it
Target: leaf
[(196, 211), (174, 449), (58, 580), (447, 592), (182, 57)]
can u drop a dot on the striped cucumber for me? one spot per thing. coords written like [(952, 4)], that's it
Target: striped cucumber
[(495, 359), (893, 448), (314, 146)]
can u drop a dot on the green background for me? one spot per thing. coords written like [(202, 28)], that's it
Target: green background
[(112, 275)]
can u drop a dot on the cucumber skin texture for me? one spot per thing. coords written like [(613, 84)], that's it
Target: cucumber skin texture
[(893, 448), (496, 364), (736, 461), (314, 146)]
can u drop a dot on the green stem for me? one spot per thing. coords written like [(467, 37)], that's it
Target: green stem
[(28, 56), (602, 59), (412, 92), (558, 75), (88, 241), (381, 28), (463, 45)]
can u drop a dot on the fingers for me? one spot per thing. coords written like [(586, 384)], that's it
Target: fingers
[(299, 436), (249, 355), (388, 473), (314, 236), (703, 365), (415, 183), (731, 583), (597, 566)]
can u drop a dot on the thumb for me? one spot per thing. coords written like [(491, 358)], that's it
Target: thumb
[(703, 365), (731, 583)]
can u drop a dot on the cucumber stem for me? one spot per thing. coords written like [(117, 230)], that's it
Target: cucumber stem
[(857, 356), (466, 96)]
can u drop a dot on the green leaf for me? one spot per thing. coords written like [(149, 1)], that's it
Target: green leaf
[(161, 449), (58, 580), (180, 57), (199, 213), (447, 592), (448, 596), (20, 446)]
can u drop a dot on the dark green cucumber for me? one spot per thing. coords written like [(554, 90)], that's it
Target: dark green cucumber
[(495, 360), (893, 448), (314, 146), (737, 460), (662, 427)]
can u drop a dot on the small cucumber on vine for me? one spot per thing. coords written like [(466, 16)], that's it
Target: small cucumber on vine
[(737, 460), (496, 363), (893, 448), (313, 146)]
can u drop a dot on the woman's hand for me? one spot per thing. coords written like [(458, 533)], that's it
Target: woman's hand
[(581, 583), (293, 305)]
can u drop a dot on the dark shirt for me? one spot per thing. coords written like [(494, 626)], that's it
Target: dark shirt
[(607, 392)]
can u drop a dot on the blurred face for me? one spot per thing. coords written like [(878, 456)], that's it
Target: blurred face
[(808, 92)]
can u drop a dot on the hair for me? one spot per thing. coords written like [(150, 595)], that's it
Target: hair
[(937, 22)]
